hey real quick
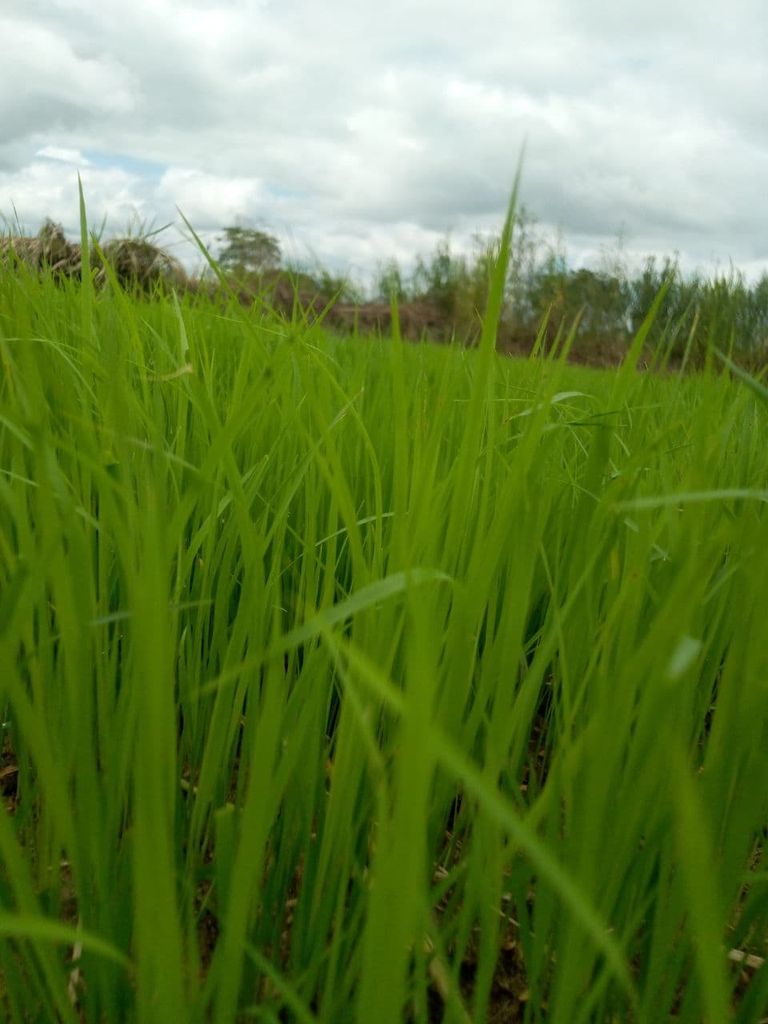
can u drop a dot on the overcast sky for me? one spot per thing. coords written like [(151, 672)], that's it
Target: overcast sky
[(358, 131)]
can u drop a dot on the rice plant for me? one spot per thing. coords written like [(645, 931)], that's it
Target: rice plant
[(347, 680)]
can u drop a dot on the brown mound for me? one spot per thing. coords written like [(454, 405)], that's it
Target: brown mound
[(135, 261), (49, 249)]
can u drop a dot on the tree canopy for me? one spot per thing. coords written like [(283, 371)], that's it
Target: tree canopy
[(248, 251)]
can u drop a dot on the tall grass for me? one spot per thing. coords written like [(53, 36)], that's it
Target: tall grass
[(365, 682)]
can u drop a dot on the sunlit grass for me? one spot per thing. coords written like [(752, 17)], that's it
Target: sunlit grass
[(349, 680)]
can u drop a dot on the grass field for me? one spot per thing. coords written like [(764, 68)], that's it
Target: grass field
[(349, 681)]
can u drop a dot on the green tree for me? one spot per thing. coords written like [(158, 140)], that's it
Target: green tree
[(248, 251), (389, 282), (441, 279)]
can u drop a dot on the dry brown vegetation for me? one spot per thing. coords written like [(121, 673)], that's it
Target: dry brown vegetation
[(135, 261)]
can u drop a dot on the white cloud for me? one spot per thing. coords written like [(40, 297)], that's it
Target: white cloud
[(208, 199), (39, 67), (358, 132), (64, 155)]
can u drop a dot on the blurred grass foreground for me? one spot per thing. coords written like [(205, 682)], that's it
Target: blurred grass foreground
[(375, 682)]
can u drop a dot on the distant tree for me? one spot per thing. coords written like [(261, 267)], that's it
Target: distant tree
[(248, 251), (528, 250), (600, 300), (389, 282), (441, 279), (336, 287)]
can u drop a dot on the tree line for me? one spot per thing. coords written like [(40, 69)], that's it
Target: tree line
[(607, 305)]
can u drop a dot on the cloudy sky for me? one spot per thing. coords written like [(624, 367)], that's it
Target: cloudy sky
[(359, 131)]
